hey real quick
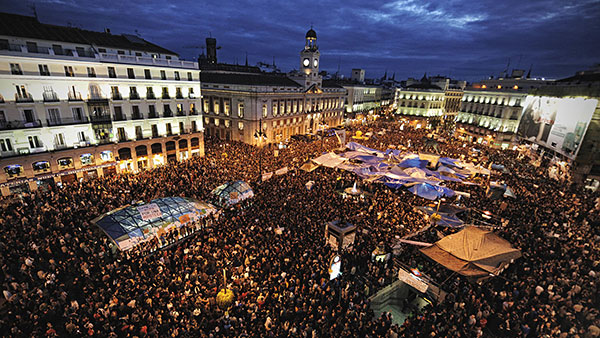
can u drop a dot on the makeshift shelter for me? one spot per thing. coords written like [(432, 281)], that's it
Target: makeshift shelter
[(473, 252), (330, 160), (448, 215), (429, 191), (133, 224), (309, 166), (231, 193)]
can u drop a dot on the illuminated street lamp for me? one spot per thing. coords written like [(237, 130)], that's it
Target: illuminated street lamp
[(260, 136)]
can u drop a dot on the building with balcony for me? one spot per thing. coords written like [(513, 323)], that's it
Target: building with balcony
[(241, 101), (93, 101), (491, 110), (420, 98)]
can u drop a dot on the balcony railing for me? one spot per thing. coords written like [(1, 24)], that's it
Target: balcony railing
[(75, 96), (24, 98), (117, 96), (50, 97), (153, 115), (134, 96), (66, 121), (147, 61), (181, 113), (150, 96), (168, 113), (166, 96), (119, 117), (179, 97), (138, 116), (100, 119), (7, 125), (193, 112)]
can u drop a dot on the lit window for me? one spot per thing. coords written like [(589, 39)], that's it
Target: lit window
[(241, 110), (241, 125)]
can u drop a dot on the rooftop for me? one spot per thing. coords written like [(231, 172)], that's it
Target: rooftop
[(248, 79), (29, 27)]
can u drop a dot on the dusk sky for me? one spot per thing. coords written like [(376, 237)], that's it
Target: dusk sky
[(462, 39)]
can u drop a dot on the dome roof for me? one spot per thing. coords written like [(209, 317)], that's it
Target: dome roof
[(311, 34)]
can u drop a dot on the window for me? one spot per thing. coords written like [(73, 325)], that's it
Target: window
[(206, 105), (226, 107), (179, 107), (102, 50), (135, 112), (147, 74), (32, 47), (178, 93), (191, 94), (241, 110), (216, 105), (80, 51), (119, 114), (177, 76), (81, 136), (138, 132), (194, 127), (69, 71), (150, 93), (169, 129), (44, 70), (87, 159), (65, 162), (264, 110), (41, 166), (138, 54), (152, 111), (189, 74), (5, 145), (111, 72), (29, 115), (181, 128), (163, 75), (130, 73), (34, 142), (121, 52), (121, 134), (115, 93), (15, 69), (154, 130), (133, 94), (241, 125), (167, 110), (192, 108), (275, 105), (165, 93), (53, 116), (91, 72)]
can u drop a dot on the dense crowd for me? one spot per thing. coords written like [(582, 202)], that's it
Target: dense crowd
[(61, 276)]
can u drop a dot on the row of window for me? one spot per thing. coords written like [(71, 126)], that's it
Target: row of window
[(227, 123), (492, 100), (55, 118), (421, 97), (279, 107), (49, 95), (16, 69)]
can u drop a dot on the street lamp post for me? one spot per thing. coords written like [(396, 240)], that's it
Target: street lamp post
[(260, 135)]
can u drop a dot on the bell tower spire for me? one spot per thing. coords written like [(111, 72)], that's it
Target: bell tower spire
[(309, 59)]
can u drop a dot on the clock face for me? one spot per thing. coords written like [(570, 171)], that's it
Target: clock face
[(315, 63), (306, 62)]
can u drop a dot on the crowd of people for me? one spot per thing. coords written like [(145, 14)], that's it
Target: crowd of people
[(61, 276)]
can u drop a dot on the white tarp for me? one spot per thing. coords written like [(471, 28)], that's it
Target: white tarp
[(281, 171), (329, 160)]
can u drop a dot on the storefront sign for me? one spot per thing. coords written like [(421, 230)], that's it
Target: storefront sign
[(51, 175)]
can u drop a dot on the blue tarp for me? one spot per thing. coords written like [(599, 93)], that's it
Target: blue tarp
[(359, 147), (231, 193), (413, 162), (449, 162), (429, 191)]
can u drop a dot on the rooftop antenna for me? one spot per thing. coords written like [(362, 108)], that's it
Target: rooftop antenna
[(32, 7), (246, 59), (506, 69), (529, 72)]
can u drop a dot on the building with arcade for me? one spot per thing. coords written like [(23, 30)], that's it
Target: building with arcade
[(77, 103)]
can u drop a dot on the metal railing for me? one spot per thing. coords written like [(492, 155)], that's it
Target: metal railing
[(7, 125), (119, 117), (153, 115), (100, 118), (66, 121), (117, 96), (138, 116), (50, 97), (23, 97), (134, 96)]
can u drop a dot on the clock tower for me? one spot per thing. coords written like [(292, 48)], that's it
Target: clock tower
[(309, 60)]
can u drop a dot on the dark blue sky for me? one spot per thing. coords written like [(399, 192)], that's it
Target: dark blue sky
[(464, 39)]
